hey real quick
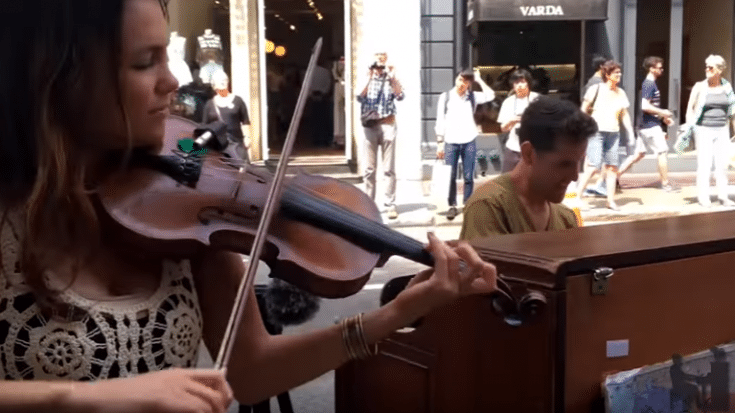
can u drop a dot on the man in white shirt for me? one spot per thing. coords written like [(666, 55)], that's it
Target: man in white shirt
[(456, 131)]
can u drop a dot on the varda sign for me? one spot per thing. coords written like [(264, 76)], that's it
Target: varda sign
[(548, 10)]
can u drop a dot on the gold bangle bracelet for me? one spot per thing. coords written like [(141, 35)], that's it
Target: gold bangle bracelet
[(363, 340), (346, 340), (354, 340)]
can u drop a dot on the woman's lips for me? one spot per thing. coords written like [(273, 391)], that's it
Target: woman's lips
[(160, 111)]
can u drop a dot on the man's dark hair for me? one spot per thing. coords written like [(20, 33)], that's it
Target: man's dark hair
[(651, 61), (608, 68), (467, 74), (598, 61), (521, 74), (547, 120)]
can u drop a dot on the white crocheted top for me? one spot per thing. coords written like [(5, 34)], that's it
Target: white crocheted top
[(108, 339)]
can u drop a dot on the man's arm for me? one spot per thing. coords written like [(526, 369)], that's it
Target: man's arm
[(647, 92), (506, 118), (589, 96), (395, 84), (440, 126), (487, 93)]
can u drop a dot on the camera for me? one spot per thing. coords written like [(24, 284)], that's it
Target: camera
[(377, 66)]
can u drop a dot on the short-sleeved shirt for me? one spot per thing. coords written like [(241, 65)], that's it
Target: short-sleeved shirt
[(607, 106), (495, 209), (513, 106), (594, 80), (650, 92), (234, 116)]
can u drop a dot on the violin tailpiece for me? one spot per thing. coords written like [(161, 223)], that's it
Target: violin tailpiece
[(184, 168)]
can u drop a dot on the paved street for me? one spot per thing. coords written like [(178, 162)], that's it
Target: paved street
[(640, 199)]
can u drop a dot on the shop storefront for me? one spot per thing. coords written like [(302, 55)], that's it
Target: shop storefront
[(545, 37), (267, 44)]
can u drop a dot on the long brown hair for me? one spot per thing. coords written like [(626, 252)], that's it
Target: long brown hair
[(56, 49)]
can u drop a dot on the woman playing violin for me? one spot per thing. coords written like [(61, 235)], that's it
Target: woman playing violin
[(85, 327)]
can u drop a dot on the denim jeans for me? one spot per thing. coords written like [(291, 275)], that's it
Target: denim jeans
[(468, 152)]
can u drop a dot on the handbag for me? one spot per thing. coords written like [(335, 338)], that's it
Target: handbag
[(441, 176), (591, 107), (684, 139), (371, 117)]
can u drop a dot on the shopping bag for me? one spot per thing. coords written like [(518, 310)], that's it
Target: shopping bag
[(684, 139), (441, 175)]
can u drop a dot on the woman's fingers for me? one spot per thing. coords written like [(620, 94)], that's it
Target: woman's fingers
[(215, 380), (446, 261), (478, 275), (420, 277), (211, 397)]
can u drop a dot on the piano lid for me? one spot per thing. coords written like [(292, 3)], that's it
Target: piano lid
[(549, 257)]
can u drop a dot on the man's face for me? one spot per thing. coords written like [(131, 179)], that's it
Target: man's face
[(381, 58), (462, 84), (657, 70), (551, 172), (520, 86)]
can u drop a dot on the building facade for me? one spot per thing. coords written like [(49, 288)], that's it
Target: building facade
[(430, 40)]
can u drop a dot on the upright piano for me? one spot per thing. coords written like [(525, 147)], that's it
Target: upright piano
[(618, 297)]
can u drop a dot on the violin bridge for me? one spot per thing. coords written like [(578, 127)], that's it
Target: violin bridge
[(207, 215)]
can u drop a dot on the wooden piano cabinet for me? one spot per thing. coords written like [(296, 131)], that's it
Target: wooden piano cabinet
[(682, 306), (461, 359), (672, 290)]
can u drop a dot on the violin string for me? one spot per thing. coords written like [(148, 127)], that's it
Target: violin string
[(339, 213), (301, 194)]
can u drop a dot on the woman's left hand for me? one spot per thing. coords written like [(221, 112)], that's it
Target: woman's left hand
[(448, 281)]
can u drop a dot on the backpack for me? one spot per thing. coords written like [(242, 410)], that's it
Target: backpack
[(472, 101)]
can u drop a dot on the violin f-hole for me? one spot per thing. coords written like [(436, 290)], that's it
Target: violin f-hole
[(206, 215)]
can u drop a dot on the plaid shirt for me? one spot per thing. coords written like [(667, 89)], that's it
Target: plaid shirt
[(386, 104)]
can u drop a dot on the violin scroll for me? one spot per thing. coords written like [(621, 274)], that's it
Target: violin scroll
[(514, 311)]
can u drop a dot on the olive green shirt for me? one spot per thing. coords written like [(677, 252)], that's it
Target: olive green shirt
[(495, 209)]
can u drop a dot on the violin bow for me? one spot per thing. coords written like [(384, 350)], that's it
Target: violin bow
[(273, 201)]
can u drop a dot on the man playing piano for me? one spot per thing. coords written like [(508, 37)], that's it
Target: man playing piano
[(553, 136)]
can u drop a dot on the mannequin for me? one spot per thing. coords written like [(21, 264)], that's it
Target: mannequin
[(209, 55), (338, 72), (176, 59), (230, 109)]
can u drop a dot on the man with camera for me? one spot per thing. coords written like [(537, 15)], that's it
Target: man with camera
[(378, 117)]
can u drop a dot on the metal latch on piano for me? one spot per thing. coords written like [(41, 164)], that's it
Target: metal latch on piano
[(600, 279)]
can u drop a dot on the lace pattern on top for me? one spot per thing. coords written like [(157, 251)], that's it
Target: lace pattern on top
[(102, 340)]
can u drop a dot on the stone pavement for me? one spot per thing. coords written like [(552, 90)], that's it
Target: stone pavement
[(641, 198)]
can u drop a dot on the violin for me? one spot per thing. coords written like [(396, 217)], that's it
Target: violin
[(326, 237)]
